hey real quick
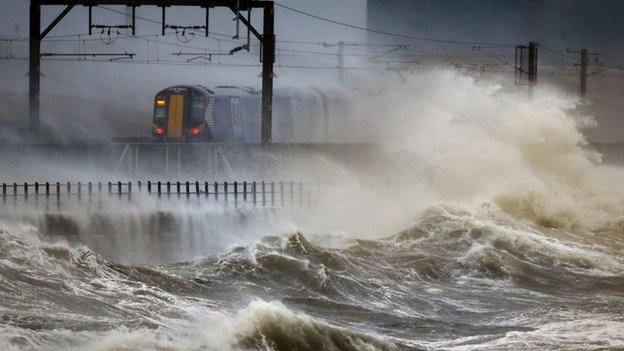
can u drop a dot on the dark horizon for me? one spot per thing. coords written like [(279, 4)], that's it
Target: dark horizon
[(560, 24)]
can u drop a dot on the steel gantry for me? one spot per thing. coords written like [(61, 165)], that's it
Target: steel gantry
[(266, 38)]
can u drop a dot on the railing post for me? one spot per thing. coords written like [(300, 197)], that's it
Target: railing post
[(4, 187), (47, 192), (188, 190), (36, 193), (119, 190), (236, 194), (58, 195), (79, 192), (245, 191), (158, 188), (255, 198), (99, 189), (25, 192), (282, 194), (149, 187), (14, 193), (178, 189), (129, 191), (263, 194), (225, 192), (90, 191), (168, 190), (206, 190), (216, 191)]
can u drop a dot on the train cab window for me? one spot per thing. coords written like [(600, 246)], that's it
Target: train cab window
[(160, 114), (198, 108)]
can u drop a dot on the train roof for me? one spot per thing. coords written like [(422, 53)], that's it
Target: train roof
[(235, 91), (245, 91)]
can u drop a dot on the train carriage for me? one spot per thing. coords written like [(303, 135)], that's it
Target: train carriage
[(232, 114)]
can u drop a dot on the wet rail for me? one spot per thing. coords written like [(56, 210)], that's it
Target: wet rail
[(236, 194)]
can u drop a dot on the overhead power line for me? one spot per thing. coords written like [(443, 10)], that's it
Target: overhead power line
[(398, 35), (574, 59), (203, 63)]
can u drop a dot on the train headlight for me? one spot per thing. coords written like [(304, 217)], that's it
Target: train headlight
[(161, 102), (159, 130), (196, 131)]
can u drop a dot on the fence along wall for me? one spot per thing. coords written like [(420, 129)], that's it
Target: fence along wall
[(263, 194)]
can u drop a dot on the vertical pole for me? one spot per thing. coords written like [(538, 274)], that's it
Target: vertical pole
[(90, 19), (235, 194), (263, 194), (163, 20), (268, 59), (584, 63), (90, 191), (225, 192), (4, 192), (282, 194), (47, 191), (532, 64), (133, 20), (254, 188), (58, 196), (207, 21), (216, 191), (34, 68), (341, 47), (248, 30), (36, 193)]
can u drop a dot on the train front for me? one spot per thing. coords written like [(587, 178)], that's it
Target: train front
[(182, 113)]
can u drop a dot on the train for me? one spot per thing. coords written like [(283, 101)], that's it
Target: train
[(231, 114)]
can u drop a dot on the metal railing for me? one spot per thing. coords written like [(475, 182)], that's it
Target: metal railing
[(264, 194)]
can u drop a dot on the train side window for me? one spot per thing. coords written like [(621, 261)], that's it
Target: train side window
[(198, 108), (221, 110), (160, 114)]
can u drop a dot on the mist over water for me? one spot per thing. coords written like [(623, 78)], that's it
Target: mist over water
[(492, 225)]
